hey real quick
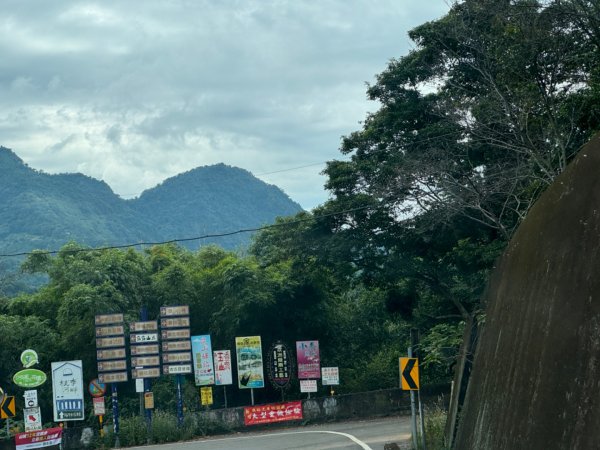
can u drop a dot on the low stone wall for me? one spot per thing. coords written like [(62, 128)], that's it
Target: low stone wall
[(382, 403)]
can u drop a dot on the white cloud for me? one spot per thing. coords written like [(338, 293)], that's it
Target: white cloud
[(135, 92)]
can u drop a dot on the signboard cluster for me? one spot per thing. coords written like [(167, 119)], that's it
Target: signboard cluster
[(176, 344), (145, 359), (110, 348)]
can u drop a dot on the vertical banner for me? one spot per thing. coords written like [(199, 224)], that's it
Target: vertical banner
[(222, 359), (309, 362), (280, 365), (249, 362), (204, 374)]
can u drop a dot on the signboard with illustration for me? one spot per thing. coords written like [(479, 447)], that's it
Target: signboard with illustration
[(204, 373), (309, 362), (249, 362)]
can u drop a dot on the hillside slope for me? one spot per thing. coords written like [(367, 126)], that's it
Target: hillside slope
[(43, 211)]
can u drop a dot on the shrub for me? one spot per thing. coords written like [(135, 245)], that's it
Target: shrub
[(435, 424), (164, 427), (133, 431)]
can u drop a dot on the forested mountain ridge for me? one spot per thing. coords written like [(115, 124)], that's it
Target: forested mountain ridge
[(44, 211)]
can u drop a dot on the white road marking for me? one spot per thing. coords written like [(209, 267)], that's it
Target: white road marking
[(349, 436)]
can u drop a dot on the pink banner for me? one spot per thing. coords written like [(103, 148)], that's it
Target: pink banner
[(275, 412), (309, 362), (38, 439)]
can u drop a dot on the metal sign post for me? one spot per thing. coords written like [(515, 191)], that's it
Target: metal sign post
[(115, 408), (414, 342), (179, 377), (413, 410)]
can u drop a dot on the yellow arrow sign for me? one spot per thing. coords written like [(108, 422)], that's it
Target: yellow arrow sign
[(8, 408), (409, 374)]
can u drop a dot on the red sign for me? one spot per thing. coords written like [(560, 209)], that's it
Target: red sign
[(275, 412), (37, 439), (309, 361)]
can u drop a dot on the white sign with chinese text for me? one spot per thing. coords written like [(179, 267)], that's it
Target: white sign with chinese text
[(31, 399), (67, 390), (330, 376), (308, 385), (222, 359)]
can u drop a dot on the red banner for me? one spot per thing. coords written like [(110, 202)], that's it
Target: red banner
[(38, 439), (275, 412)]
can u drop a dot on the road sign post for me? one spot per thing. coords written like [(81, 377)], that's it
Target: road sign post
[(409, 380), (115, 409), (175, 334)]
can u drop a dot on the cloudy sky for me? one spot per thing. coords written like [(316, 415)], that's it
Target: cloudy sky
[(133, 92)]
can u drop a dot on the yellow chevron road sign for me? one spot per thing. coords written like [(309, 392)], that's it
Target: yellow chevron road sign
[(409, 374)]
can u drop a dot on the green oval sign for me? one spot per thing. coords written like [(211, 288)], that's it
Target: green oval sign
[(29, 378)]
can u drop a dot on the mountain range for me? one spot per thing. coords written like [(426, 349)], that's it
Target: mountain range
[(44, 211)]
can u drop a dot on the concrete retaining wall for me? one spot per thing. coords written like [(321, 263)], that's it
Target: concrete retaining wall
[(536, 377), (327, 409)]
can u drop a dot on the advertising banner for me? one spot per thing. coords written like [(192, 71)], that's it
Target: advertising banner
[(249, 362), (275, 412), (38, 439), (204, 373), (222, 359), (309, 363)]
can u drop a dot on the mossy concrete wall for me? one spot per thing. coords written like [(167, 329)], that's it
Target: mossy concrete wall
[(536, 377)]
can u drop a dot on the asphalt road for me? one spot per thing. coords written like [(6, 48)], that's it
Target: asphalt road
[(363, 434)]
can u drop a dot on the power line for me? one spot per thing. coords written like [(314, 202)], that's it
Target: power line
[(196, 238), (291, 168)]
